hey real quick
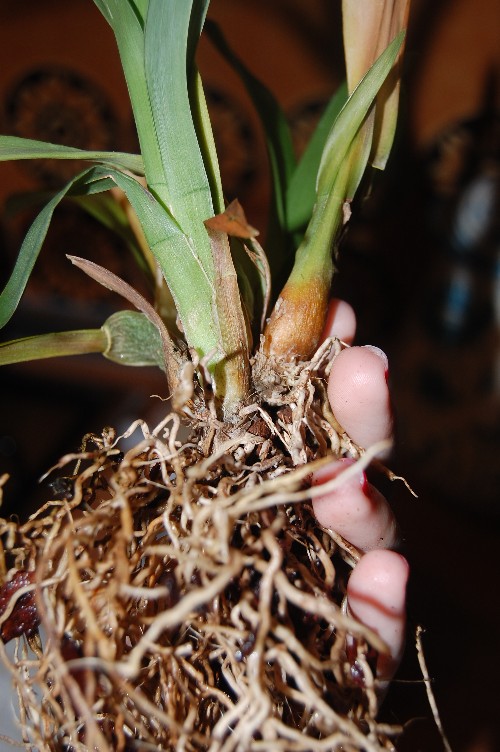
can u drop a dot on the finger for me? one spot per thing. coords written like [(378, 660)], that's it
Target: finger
[(359, 395), (376, 596), (340, 321), (356, 509)]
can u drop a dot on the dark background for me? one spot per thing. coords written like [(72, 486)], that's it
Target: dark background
[(401, 267)]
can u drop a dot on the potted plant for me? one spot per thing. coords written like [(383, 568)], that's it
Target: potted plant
[(186, 599)]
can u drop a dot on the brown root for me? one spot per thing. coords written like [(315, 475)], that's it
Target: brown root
[(187, 600)]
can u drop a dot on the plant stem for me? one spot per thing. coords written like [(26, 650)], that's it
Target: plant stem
[(232, 373), (295, 326)]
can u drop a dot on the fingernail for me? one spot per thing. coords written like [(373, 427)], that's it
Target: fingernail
[(327, 472), (381, 354)]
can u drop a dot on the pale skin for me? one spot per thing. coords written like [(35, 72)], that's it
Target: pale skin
[(359, 396)]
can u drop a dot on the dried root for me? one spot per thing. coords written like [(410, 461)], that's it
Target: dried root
[(186, 599)]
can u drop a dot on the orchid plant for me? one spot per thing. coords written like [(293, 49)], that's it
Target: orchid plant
[(175, 201), (175, 582)]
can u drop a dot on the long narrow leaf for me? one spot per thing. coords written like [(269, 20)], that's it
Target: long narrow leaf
[(11, 295), (339, 171), (105, 10), (169, 359), (175, 252), (141, 9), (277, 132), (367, 29), (13, 147), (54, 345), (196, 24), (157, 57), (103, 207), (127, 338), (198, 105), (108, 211), (181, 264), (301, 194), (352, 115), (165, 45), (206, 141), (126, 20)]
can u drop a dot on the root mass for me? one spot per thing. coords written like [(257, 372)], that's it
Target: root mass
[(187, 598)]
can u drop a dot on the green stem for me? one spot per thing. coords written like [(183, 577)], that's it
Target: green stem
[(297, 321)]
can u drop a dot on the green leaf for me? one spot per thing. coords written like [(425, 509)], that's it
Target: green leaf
[(206, 142), (340, 170), (301, 193), (157, 57), (119, 217), (11, 295), (180, 262), (13, 147), (352, 115), (108, 211), (188, 188), (104, 8), (133, 340), (141, 9), (53, 345), (102, 207), (127, 21), (127, 338), (196, 23), (175, 252), (276, 130)]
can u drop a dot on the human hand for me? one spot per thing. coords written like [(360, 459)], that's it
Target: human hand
[(359, 397)]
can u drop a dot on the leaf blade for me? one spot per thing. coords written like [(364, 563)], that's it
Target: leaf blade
[(277, 132), (127, 21), (32, 243), (165, 54), (352, 115), (174, 251), (53, 345), (301, 193), (16, 148)]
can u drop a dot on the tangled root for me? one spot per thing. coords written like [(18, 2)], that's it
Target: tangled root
[(179, 597)]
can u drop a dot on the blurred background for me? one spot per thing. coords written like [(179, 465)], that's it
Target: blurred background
[(420, 264)]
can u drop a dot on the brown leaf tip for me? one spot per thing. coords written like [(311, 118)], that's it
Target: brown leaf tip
[(232, 221)]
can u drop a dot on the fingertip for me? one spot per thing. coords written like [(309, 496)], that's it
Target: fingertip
[(381, 355), (340, 321), (376, 594), (359, 394), (355, 509), (385, 573)]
